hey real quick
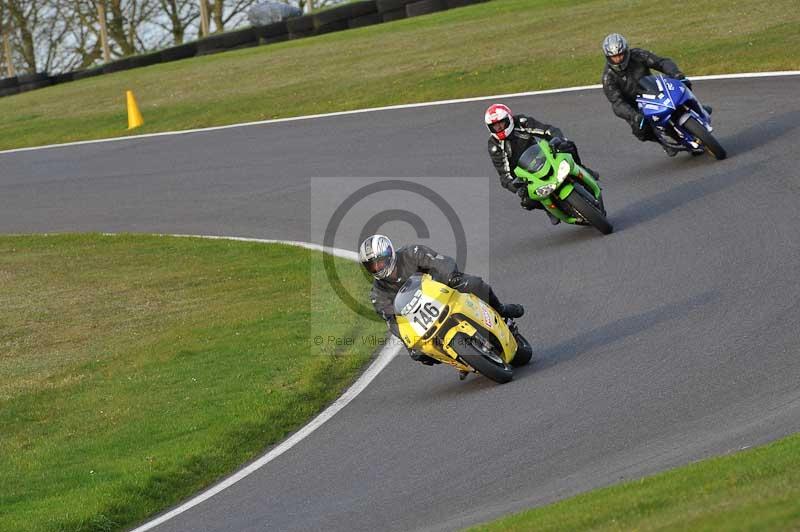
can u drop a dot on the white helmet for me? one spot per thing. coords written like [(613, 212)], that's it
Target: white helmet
[(377, 255), (499, 120)]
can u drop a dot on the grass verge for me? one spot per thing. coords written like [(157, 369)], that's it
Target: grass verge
[(757, 489), (452, 54), (138, 369)]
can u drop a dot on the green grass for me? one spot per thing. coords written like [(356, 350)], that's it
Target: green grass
[(757, 489), (139, 369), (498, 47)]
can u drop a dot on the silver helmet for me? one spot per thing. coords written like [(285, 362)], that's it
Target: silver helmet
[(377, 255), (614, 45)]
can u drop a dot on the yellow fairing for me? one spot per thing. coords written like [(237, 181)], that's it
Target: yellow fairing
[(449, 312)]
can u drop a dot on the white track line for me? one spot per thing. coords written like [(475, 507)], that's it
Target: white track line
[(376, 109), (384, 357)]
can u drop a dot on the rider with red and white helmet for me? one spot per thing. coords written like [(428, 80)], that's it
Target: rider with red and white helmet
[(510, 136)]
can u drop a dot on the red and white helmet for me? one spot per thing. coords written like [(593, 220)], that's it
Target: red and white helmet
[(499, 120)]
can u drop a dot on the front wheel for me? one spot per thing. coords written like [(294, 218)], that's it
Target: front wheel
[(589, 211), (710, 144), (488, 364)]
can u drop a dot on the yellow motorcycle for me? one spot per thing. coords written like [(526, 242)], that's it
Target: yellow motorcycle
[(459, 329)]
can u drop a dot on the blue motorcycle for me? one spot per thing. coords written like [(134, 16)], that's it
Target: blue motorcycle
[(678, 119)]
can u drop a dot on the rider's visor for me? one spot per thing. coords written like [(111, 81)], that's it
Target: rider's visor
[(378, 264), (617, 58), (501, 125)]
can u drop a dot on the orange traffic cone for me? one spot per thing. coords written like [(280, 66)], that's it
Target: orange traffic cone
[(134, 115)]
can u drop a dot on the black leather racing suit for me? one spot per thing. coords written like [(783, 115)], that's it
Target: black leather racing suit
[(506, 153), (416, 259), (621, 87)]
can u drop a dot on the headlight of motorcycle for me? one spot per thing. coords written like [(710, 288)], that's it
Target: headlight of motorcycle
[(563, 171), (546, 190)]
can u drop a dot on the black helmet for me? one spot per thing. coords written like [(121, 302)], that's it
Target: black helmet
[(615, 45)]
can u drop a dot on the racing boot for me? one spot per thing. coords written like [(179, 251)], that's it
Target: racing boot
[(671, 152), (529, 204), (423, 358), (511, 310), (708, 109), (553, 218), (462, 374)]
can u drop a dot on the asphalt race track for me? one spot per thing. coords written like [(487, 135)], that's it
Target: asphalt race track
[(675, 338)]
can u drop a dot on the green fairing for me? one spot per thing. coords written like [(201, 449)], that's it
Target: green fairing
[(547, 174)]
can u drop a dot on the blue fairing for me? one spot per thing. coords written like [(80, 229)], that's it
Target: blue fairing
[(667, 102)]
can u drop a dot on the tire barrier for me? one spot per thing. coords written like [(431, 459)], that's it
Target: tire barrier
[(89, 73), (338, 25), (133, 61), (64, 77), (275, 32), (386, 6), (338, 18), (176, 53), (424, 7), (8, 83), (299, 25), (29, 82), (397, 14), (227, 41), (9, 91), (452, 4), (365, 20), (344, 13)]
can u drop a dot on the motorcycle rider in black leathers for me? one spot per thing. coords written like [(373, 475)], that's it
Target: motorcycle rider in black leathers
[(510, 136), (391, 268), (624, 68)]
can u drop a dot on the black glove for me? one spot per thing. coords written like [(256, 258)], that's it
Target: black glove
[(638, 126), (506, 182), (520, 186), (555, 143), (682, 77)]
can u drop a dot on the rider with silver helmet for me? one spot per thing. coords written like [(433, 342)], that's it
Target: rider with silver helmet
[(510, 136), (392, 267), (624, 68)]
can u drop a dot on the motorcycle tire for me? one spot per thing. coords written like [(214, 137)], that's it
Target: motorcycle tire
[(481, 362), (710, 144), (589, 211)]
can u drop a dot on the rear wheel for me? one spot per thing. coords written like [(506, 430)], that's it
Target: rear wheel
[(710, 144), (487, 363), (588, 209)]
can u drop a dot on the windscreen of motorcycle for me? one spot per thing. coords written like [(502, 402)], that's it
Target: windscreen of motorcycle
[(648, 85), (533, 159), (418, 308)]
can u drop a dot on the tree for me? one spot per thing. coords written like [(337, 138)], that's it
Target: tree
[(177, 17)]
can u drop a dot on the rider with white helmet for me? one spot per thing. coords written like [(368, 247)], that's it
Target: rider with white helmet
[(510, 136)]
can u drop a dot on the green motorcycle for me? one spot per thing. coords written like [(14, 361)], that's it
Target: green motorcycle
[(567, 190)]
